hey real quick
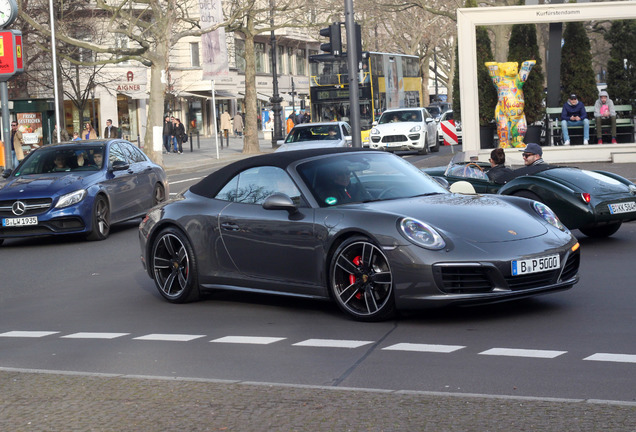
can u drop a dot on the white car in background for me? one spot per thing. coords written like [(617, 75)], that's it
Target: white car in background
[(405, 129), (317, 135), (448, 115)]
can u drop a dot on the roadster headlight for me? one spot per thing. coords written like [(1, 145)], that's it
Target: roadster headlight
[(71, 198), (421, 234), (416, 128), (546, 213)]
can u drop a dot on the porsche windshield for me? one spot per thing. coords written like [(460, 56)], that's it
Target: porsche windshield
[(60, 159), (348, 178), (401, 116)]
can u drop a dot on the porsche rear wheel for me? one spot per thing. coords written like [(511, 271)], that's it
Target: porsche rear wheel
[(174, 267), (602, 230), (101, 219), (361, 281)]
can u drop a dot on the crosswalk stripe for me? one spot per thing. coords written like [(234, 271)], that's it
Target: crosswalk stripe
[(619, 358), (27, 334), (332, 343), (169, 337), (510, 352), (248, 340), (424, 348), (93, 335)]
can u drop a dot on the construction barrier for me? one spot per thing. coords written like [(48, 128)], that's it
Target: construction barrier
[(449, 132), (2, 164)]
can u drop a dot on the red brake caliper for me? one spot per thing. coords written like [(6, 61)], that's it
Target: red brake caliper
[(352, 279)]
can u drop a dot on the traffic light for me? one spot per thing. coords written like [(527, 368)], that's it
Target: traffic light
[(335, 39)]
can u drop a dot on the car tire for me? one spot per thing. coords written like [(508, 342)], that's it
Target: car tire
[(361, 281), (601, 230), (1, 241), (437, 144), (424, 149), (158, 195), (100, 226), (174, 266)]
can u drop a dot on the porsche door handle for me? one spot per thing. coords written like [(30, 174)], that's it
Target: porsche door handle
[(229, 226)]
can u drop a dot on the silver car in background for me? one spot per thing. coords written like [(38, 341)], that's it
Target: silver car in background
[(317, 135)]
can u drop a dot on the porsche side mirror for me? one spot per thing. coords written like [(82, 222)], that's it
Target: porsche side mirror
[(280, 201)]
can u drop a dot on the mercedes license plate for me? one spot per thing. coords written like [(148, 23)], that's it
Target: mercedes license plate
[(19, 222), (535, 265), (624, 207)]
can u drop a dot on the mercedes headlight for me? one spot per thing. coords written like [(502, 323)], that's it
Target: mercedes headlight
[(421, 234), (548, 215), (416, 128), (71, 198)]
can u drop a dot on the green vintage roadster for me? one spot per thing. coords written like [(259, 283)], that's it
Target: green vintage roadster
[(594, 202)]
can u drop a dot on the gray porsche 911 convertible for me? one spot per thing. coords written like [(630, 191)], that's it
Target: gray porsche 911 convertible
[(363, 228)]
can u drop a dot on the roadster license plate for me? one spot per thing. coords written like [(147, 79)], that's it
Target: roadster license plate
[(624, 207), (535, 265), (21, 221)]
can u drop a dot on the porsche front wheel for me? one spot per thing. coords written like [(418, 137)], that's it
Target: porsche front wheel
[(361, 281), (174, 266)]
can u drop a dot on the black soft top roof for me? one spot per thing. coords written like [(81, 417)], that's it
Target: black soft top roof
[(212, 184)]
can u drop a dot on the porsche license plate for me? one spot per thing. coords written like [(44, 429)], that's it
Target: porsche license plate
[(624, 207), (19, 222), (536, 265)]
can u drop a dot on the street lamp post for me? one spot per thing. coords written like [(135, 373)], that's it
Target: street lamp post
[(275, 99)]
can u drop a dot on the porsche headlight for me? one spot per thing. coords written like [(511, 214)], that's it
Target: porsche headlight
[(71, 198), (416, 128), (546, 213), (375, 131), (421, 234)]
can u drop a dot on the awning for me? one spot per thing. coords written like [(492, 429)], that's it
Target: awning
[(265, 97), (218, 94)]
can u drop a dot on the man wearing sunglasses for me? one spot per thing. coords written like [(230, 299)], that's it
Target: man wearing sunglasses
[(532, 158)]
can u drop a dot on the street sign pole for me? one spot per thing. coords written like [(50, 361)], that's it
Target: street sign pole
[(353, 68)]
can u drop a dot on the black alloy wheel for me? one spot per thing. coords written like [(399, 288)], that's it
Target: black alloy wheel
[(101, 219), (361, 281), (174, 267)]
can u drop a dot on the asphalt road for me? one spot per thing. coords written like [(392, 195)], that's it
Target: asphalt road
[(88, 307)]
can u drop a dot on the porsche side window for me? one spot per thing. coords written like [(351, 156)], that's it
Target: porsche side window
[(252, 186)]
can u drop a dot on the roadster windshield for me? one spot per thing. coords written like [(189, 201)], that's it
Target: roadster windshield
[(349, 178), (60, 159)]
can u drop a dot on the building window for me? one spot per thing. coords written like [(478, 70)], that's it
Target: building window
[(259, 54), (300, 62), (194, 54), (290, 56), (239, 52), (280, 67), (121, 42)]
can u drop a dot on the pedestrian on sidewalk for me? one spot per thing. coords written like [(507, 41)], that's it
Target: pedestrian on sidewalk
[(167, 133), (238, 124), (604, 112), (226, 127), (111, 131), (179, 132)]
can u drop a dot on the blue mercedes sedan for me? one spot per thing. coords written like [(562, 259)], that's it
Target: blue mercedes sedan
[(80, 187)]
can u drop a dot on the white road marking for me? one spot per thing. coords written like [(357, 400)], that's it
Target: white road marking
[(511, 352), (424, 348), (27, 334), (332, 343), (169, 337), (619, 358), (92, 335), (184, 181), (248, 340)]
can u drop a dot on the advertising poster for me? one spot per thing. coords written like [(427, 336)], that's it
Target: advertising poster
[(30, 124)]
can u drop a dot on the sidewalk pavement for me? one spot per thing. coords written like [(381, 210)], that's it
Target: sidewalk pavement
[(203, 153)]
